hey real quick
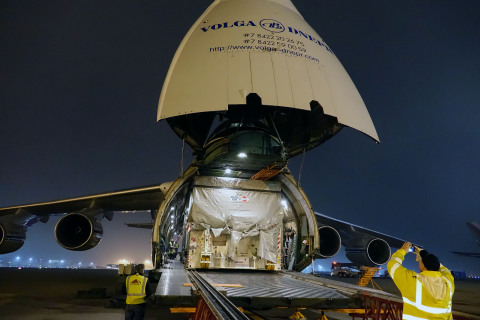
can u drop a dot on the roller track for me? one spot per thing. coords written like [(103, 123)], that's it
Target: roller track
[(219, 305)]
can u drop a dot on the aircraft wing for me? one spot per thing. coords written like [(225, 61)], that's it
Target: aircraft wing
[(352, 234), (140, 225), (83, 216), (468, 254), (474, 227), (144, 198)]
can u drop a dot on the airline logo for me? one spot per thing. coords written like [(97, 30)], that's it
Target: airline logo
[(272, 25), (239, 198), (135, 282)]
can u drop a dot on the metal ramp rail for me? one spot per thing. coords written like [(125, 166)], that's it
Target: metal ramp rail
[(213, 305)]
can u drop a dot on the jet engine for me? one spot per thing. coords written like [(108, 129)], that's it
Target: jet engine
[(375, 253), (330, 241), (78, 231), (12, 237)]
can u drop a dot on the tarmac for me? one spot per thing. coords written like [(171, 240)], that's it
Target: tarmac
[(74, 294)]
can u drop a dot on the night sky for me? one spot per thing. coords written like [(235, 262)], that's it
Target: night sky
[(80, 83)]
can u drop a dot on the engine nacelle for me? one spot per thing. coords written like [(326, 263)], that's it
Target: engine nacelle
[(375, 253), (330, 241), (12, 237), (78, 231)]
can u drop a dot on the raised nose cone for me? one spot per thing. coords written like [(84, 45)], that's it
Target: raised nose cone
[(258, 61)]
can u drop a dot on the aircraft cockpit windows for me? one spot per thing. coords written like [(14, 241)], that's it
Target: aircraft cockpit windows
[(241, 151), (254, 142)]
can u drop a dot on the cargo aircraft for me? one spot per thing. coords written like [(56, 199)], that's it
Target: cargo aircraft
[(475, 229), (251, 86)]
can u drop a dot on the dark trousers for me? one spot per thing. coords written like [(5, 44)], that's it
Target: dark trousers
[(135, 311)]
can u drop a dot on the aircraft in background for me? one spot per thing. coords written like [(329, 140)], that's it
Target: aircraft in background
[(475, 229), (250, 86)]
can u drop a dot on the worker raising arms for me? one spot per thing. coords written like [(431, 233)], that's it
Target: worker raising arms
[(427, 295)]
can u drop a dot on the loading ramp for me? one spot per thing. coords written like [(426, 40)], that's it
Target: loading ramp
[(256, 290)]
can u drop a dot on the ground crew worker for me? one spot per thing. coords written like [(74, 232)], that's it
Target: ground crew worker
[(175, 250), (171, 251), (428, 295), (137, 289)]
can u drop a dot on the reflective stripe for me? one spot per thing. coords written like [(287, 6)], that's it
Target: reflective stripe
[(409, 317), (144, 283), (449, 286), (418, 293), (398, 260), (425, 308), (394, 267), (451, 292), (128, 282), (418, 303)]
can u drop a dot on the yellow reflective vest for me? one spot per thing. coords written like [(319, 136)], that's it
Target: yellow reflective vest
[(136, 289), (426, 296)]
